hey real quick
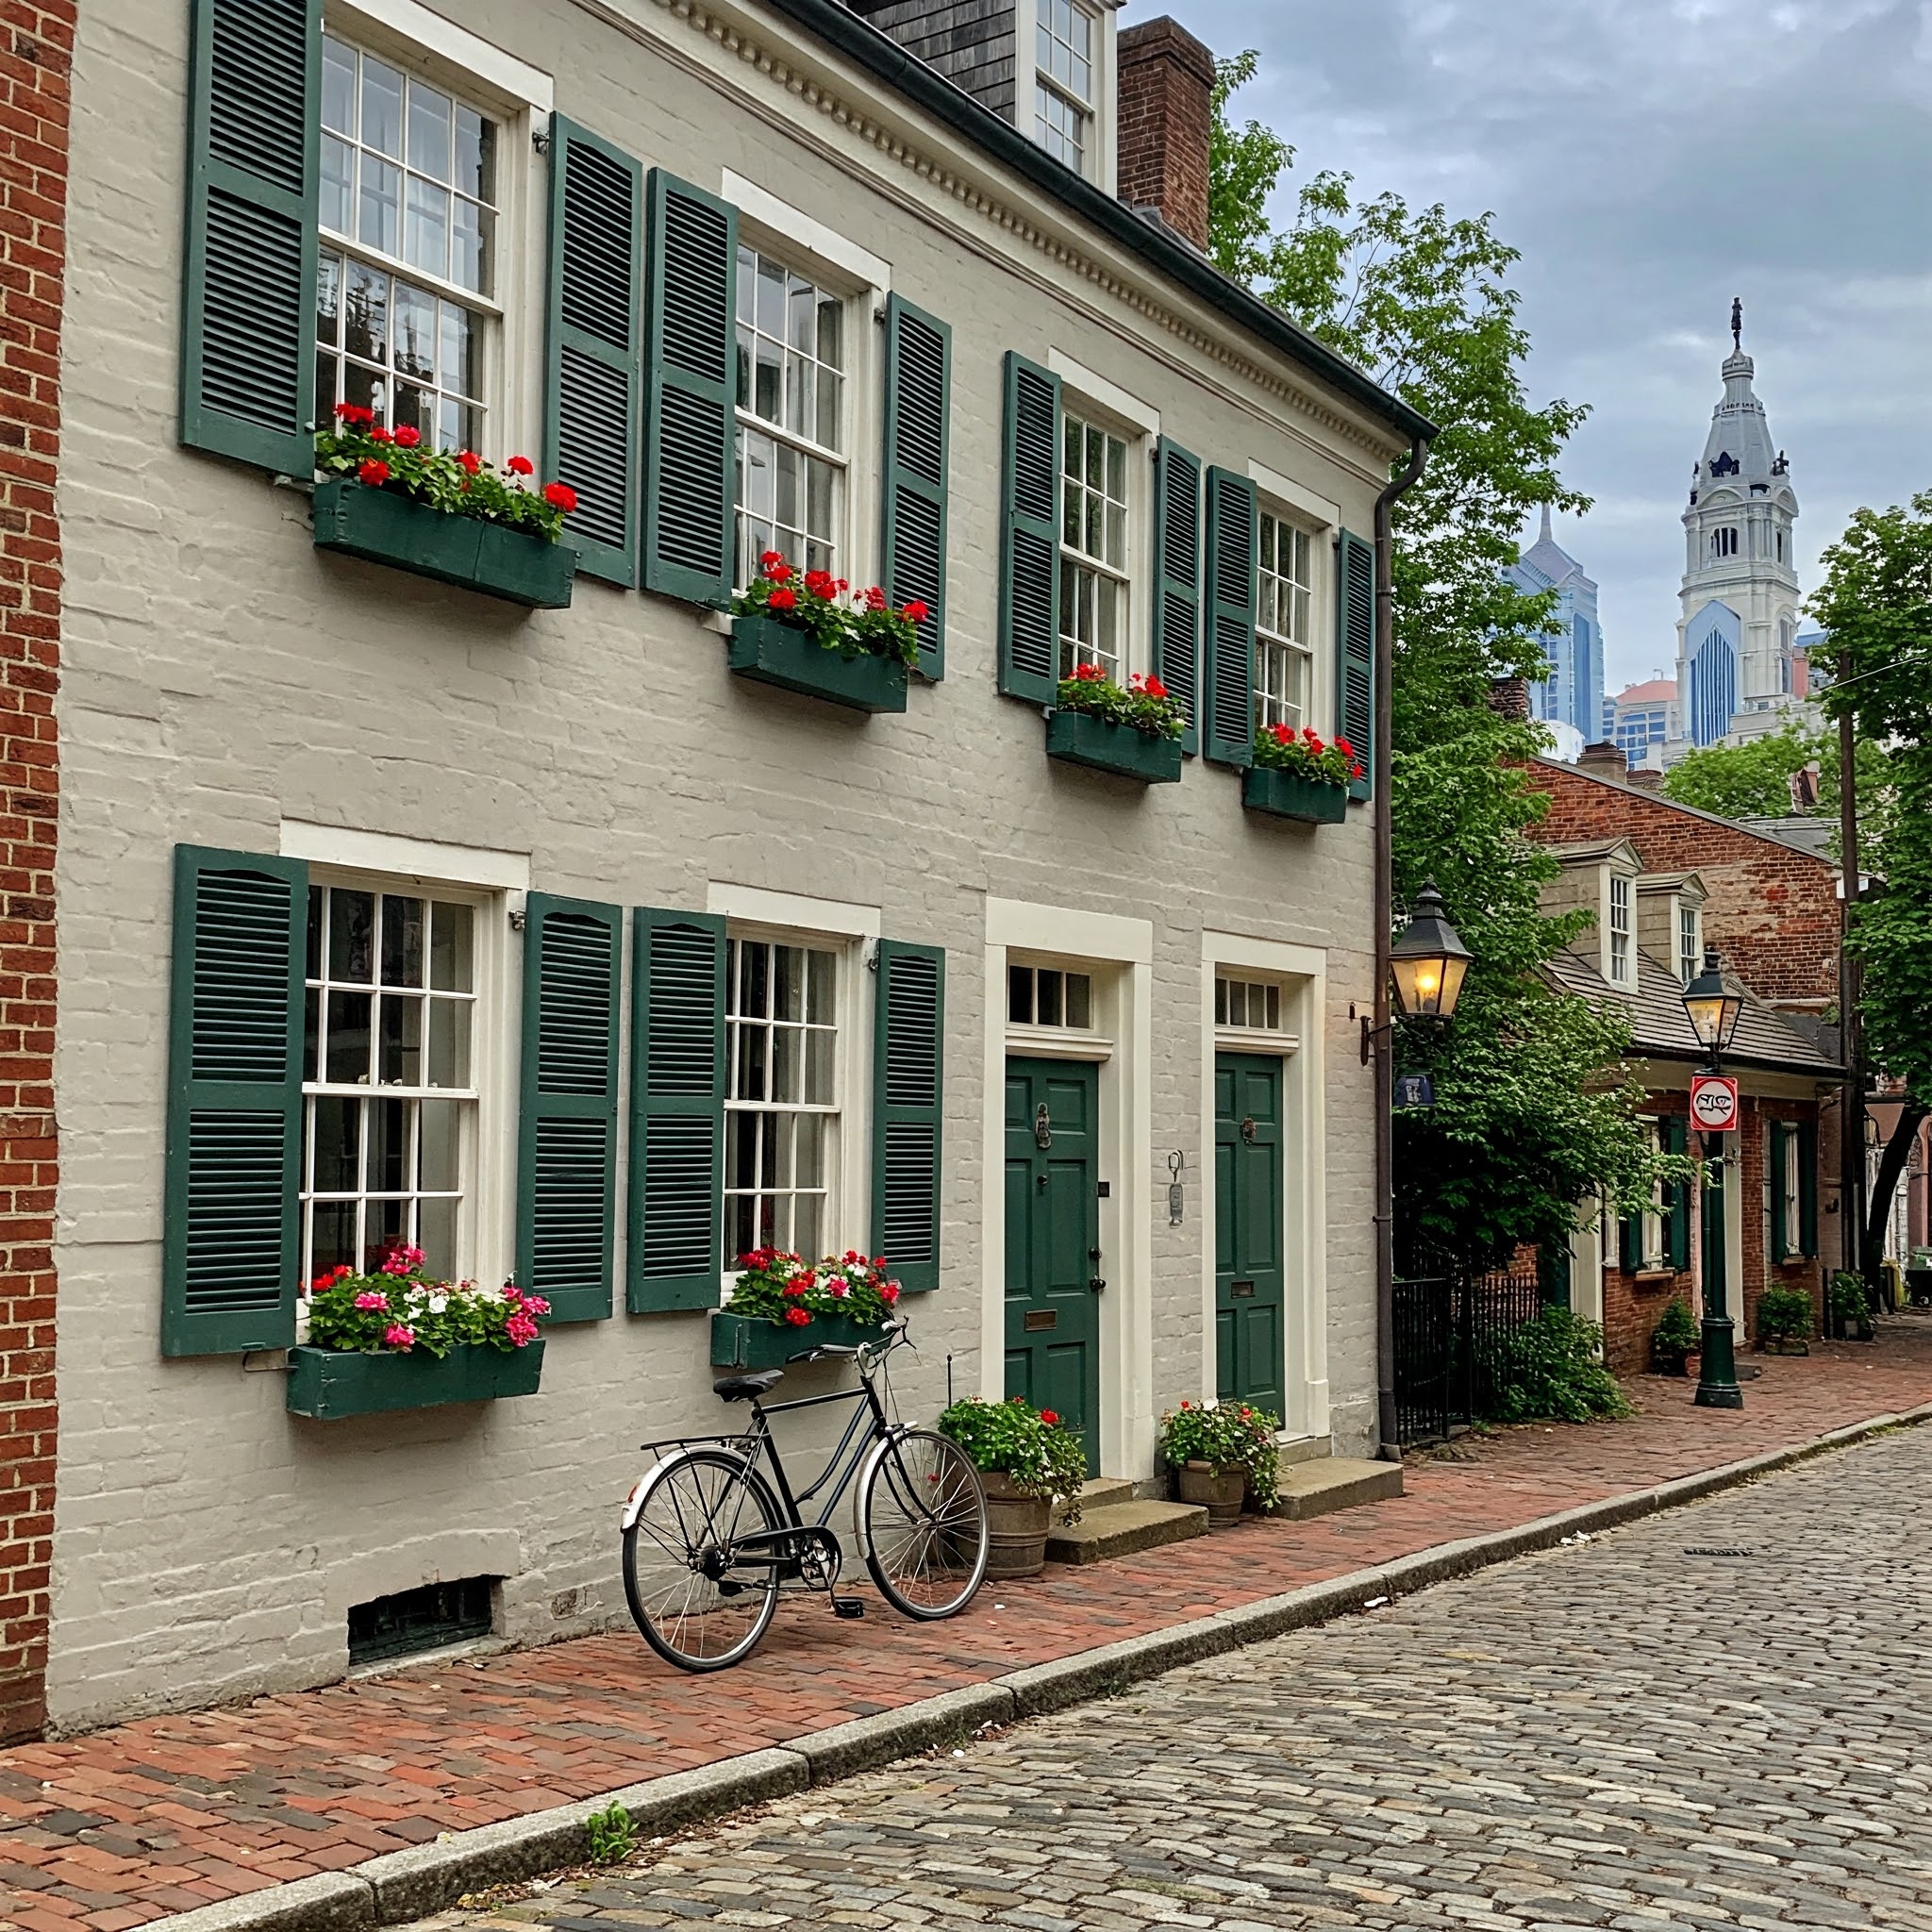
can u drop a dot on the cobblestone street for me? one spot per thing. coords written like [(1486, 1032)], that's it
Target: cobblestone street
[(1722, 1716)]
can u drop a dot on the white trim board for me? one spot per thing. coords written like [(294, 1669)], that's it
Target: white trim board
[(1063, 933), (513, 78), (416, 858), (793, 911), (1110, 396), (1295, 496), (764, 208)]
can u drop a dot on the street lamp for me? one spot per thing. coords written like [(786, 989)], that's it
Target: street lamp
[(1713, 1004), (1429, 961)]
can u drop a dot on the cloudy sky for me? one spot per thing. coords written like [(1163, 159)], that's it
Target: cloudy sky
[(1652, 159)]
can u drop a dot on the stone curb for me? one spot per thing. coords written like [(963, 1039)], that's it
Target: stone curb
[(405, 1885)]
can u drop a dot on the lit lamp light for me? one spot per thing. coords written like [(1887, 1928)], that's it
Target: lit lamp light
[(1713, 1004), (1429, 962)]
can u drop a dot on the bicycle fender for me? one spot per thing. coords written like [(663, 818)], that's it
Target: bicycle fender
[(641, 1488)]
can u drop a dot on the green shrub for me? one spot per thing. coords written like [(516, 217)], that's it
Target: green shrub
[(1553, 1367), (1784, 1315), (612, 1836), (1849, 1301), (1031, 1447), (1676, 1331)]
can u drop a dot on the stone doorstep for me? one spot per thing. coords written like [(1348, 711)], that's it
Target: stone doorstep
[(1122, 1529), (1099, 1492), (1337, 1482)]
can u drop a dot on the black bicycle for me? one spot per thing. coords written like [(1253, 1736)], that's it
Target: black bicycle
[(708, 1537)]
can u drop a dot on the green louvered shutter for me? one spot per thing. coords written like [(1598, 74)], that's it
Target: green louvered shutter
[(1029, 535), (1234, 527), (690, 392), (230, 1253), (1676, 1137), (1807, 1186), (909, 1105), (1630, 1244), (919, 389), (1178, 580), (1774, 1161), (594, 371), (248, 299), (567, 1132), (675, 1227), (1355, 670)]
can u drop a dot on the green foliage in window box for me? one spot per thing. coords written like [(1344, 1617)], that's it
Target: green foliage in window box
[(1227, 1435), (381, 526), (456, 482), (1031, 1447), (829, 611), (1784, 1315), (1553, 1368), (1142, 704), (1306, 754)]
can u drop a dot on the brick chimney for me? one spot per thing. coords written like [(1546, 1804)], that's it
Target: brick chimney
[(1166, 80), (1510, 698), (1605, 760)]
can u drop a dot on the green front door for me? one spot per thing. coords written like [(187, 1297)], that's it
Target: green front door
[(1053, 1242), (1248, 1317)]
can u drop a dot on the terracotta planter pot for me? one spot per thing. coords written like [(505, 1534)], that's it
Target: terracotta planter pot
[(1201, 1482), (1016, 1527)]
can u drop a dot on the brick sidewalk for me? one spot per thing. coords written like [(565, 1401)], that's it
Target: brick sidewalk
[(133, 1822)]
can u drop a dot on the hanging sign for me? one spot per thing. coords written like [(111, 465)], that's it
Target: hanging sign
[(1414, 1090), (1713, 1103)]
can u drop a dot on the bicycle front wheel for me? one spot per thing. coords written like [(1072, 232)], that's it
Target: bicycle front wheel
[(921, 1518), (701, 1598)]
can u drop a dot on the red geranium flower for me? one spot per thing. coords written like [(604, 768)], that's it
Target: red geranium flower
[(875, 598), (373, 469), (770, 559), (409, 436), (1050, 1418), (779, 573), (798, 1316), (380, 434), (783, 600), (560, 496), (820, 583), (470, 460), (915, 612), (1346, 749), (796, 1288), (521, 466), (354, 412)]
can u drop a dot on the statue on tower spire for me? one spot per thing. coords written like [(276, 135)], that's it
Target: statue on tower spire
[(1737, 324)]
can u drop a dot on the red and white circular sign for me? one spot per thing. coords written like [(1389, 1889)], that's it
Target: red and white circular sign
[(1713, 1103)]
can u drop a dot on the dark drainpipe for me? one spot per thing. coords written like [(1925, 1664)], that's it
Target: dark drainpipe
[(1384, 917)]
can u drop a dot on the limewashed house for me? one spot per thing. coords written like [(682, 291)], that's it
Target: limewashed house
[(397, 897)]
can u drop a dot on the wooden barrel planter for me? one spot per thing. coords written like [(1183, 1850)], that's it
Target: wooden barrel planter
[(1016, 1527), (1221, 1492)]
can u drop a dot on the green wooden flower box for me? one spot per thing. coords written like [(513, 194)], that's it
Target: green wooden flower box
[(1290, 795), (770, 651), (749, 1341), (1079, 738), (329, 1383), (383, 527)]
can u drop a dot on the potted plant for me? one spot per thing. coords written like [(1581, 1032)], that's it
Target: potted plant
[(1027, 1459), (1676, 1337), (1222, 1454), (811, 632), (1297, 774), (1784, 1321), (1134, 729), (782, 1304), (1851, 1308), (389, 497), (395, 1339)]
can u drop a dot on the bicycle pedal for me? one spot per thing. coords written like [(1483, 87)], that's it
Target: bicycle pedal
[(848, 1607)]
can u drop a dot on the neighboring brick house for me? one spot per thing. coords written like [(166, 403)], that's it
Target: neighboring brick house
[(412, 891), (1664, 881)]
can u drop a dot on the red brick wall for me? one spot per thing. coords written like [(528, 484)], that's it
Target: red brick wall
[(1773, 911), (1633, 1302), (35, 52), (1165, 121)]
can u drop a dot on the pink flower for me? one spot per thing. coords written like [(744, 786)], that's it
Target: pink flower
[(535, 1305), (841, 1288), (889, 1293), (396, 1336), (520, 1330), (371, 1300)]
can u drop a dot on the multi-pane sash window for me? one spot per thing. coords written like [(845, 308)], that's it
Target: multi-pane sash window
[(1789, 1179), (1688, 952), (1094, 550), (1653, 1253), (781, 1111), (407, 266), (1253, 1005), (1063, 80), (1046, 997), (791, 417), (1619, 929), (1283, 649), (389, 1093)]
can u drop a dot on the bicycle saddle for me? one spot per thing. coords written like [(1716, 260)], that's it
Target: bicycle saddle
[(742, 1388)]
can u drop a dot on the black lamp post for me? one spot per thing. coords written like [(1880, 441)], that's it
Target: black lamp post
[(1713, 1004)]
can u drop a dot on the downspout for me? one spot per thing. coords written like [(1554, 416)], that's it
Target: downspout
[(1384, 918), (1853, 1252)]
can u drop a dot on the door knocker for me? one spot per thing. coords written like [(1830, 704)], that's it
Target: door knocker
[(1043, 1128), (1248, 1129)]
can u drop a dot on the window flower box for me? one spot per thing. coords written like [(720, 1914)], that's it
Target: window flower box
[(330, 1383), (1079, 738), (770, 651), (750, 1341), (1292, 795), (381, 526)]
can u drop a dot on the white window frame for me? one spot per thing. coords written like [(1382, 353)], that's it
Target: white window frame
[(1099, 160), (1135, 652), (1267, 639), (1092, 1041), (1651, 1256), (1245, 1036), (486, 1210), (1620, 947), (517, 97), (1792, 1181), (1689, 941)]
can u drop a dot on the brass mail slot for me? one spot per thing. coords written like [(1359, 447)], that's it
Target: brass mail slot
[(1242, 1290), (1038, 1318)]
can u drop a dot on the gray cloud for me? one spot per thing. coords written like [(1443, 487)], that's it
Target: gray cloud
[(1652, 159)]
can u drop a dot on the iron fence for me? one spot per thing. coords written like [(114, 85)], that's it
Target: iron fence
[(1450, 1321)]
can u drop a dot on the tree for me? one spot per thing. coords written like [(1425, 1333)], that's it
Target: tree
[(1754, 780), (1876, 602), (1532, 1103)]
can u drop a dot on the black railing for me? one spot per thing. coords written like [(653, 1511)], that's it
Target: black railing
[(1449, 1324)]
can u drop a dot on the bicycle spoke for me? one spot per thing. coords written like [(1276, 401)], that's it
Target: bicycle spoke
[(695, 1601), (925, 1526)]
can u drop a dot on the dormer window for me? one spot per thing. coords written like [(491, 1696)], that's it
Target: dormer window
[(1689, 943), (1620, 931), (1063, 80)]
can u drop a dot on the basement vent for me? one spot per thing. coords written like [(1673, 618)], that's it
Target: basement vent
[(413, 1621)]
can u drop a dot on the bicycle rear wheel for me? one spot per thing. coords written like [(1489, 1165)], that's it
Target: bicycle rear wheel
[(702, 1601), (922, 1519)]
